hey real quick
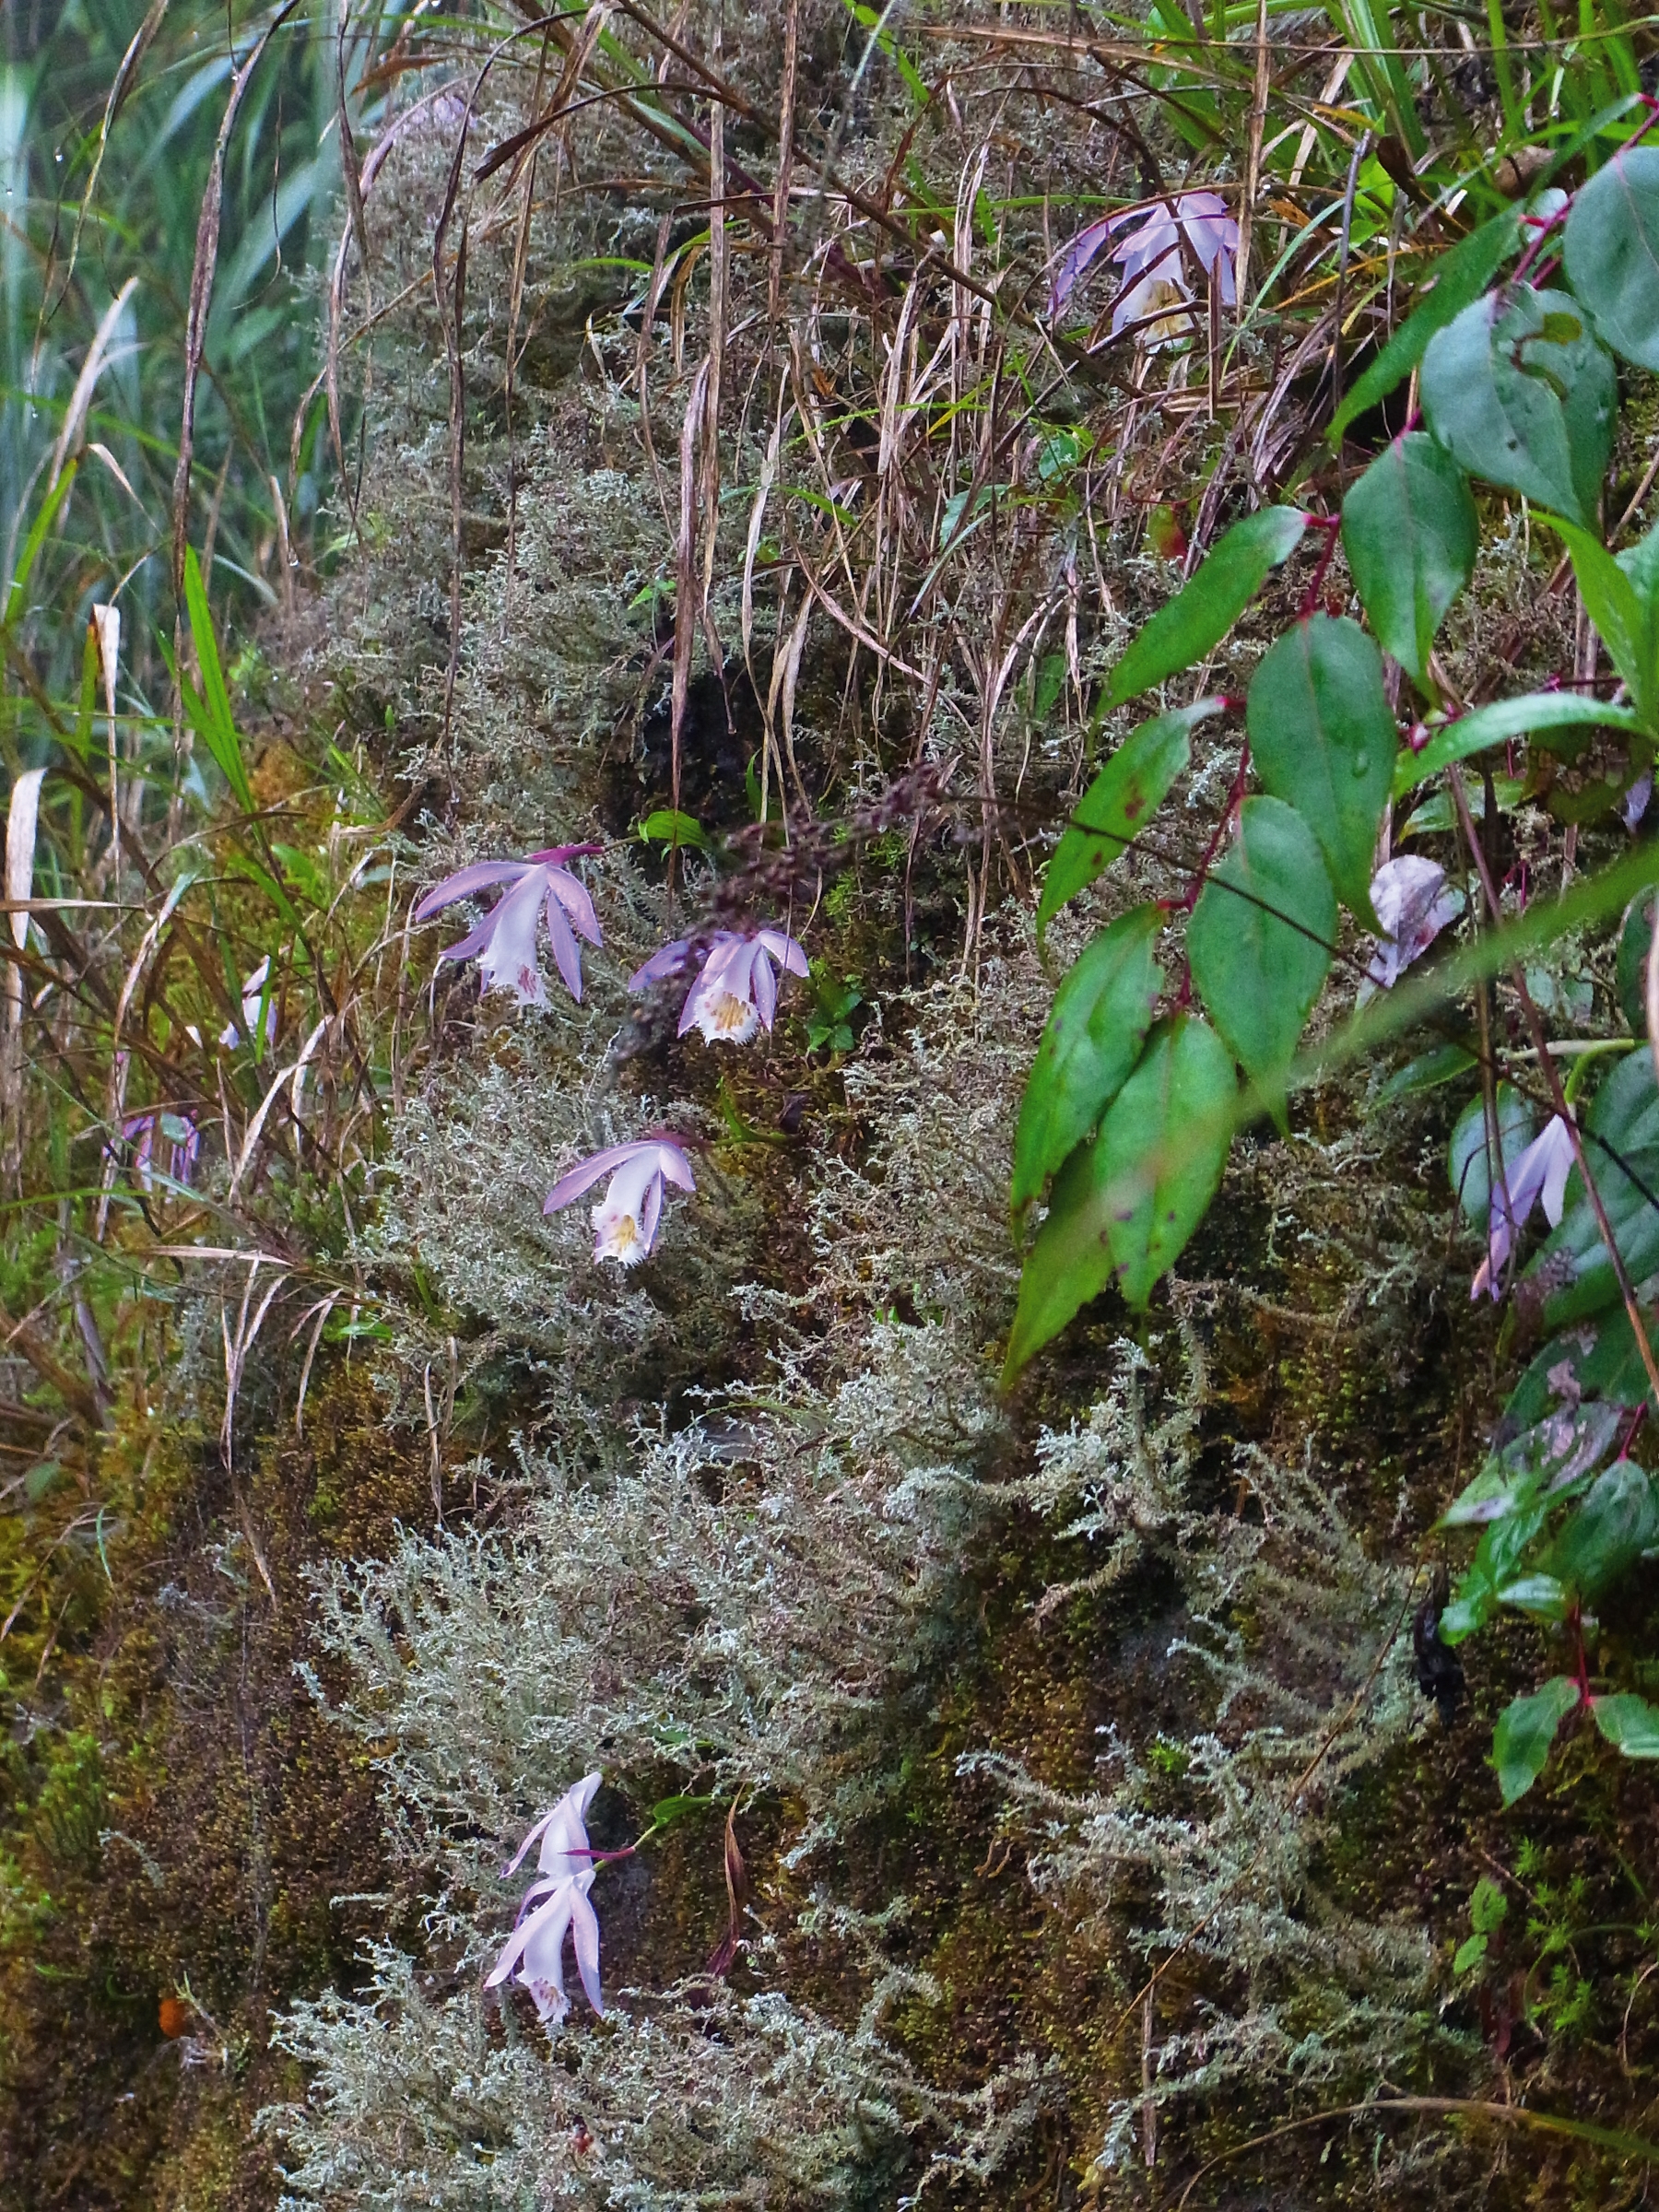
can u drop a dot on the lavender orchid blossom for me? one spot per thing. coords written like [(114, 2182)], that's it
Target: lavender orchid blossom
[(1541, 1172), (735, 991), (255, 989), (626, 1220), (1150, 256), (142, 1130), (503, 943), (1411, 900), (555, 1906)]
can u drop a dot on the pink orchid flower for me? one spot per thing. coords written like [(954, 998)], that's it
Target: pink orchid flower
[(1541, 1172), (1149, 253), (1411, 900), (736, 992), (257, 987), (556, 1905), (504, 942), (627, 1218)]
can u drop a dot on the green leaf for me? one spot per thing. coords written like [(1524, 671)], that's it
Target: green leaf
[(672, 829), (1597, 1360), (1324, 740), (1635, 940), (1611, 250), (1120, 802), (1488, 1907), (1093, 1036), (1209, 604), (1626, 619), (1629, 1722), (1521, 1743), (1621, 1142), (209, 710), (1443, 1064), (1467, 1167), (1261, 936), (1524, 399), (1460, 277), (1542, 1461), (16, 597), (1123, 1204), (1408, 530), (1618, 1521), (1471, 1953), (1533, 715)]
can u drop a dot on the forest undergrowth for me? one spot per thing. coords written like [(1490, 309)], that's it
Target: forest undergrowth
[(821, 823)]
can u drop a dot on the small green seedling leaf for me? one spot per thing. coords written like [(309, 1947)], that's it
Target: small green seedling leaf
[(1612, 252), (1261, 936), (1124, 1205), (1120, 802), (1524, 400), (1093, 1037), (669, 827), (1521, 1740), (1323, 739), (1408, 530), (1209, 604)]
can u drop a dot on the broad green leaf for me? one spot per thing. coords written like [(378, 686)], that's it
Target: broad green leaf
[(1471, 1953), (1519, 392), (1460, 277), (1542, 1461), (1093, 1037), (1209, 604), (1324, 740), (1467, 1167), (209, 710), (1408, 530), (1124, 1203), (1442, 1064), (1598, 1359), (1626, 619), (1612, 252), (1533, 715), (1602, 1540), (1621, 1143), (1503, 1546), (1120, 802), (1629, 1722), (1635, 941), (1522, 1737), (1262, 935)]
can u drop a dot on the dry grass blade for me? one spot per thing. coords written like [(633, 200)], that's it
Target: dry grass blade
[(92, 368)]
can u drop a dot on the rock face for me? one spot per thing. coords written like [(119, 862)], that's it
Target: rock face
[(1019, 1799)]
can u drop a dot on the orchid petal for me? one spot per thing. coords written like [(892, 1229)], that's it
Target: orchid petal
[(587, 1172), (649, 1214), (790, 955), (565, 957), (763, 984), (673, 1163), (479, 877), (662, 964), (474, 942), (558, 1907), (584, 1928), (572, 895)]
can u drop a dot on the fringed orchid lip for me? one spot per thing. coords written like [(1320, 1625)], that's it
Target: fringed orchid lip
[(628, 1217), (504, 943)]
